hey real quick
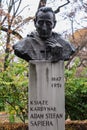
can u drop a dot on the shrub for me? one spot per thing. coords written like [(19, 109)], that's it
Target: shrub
[(76, 94)]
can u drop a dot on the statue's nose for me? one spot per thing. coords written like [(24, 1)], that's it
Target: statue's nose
[(44, 27)]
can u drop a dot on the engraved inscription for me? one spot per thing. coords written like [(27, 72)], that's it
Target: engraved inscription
[(42, 114), (56, 82)]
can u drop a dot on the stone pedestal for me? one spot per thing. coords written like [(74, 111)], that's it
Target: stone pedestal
[(46, 96)]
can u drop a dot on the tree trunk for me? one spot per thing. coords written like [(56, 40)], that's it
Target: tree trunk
[(42, 3), (7, 50)]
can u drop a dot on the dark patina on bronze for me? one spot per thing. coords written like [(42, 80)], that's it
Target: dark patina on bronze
[(44, 44)]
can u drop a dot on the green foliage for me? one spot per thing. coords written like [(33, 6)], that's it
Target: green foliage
[(14, 89), (12, 118), (76, 94)]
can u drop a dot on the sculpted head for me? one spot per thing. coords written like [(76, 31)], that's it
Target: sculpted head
[(44, 22)]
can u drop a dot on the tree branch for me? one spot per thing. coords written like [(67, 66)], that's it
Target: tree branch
[(75, 54), (58, 9), (42, 3), (12, 32), (24, 22)]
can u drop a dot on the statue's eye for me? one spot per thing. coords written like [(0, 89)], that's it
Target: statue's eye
[(48, 23), (40, 22)]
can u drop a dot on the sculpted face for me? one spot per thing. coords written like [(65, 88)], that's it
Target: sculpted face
[(44, 24)]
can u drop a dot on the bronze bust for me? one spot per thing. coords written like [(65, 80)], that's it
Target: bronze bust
[(44, 44)]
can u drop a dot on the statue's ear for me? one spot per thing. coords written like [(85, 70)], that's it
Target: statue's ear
[(54, 24), (35, 22)]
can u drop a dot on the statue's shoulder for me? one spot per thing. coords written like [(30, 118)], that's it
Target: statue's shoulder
[(60, 39), (32, 34), (28, 38), (26, 41), (56, 35)]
